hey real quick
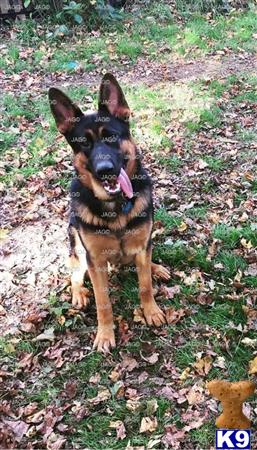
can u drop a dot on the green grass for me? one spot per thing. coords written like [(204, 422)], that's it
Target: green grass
[(231, 236), (197, 212), (204, 436), (215, 164), (150, 30), (173, 163), (170, 221)]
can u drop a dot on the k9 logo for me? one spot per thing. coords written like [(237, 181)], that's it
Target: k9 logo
[(233, 439)]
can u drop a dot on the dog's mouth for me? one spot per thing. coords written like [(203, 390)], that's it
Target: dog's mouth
[(115, 185), (111, 185)]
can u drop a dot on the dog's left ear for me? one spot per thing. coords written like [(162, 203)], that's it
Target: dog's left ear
[(65, 112), (112, 98)]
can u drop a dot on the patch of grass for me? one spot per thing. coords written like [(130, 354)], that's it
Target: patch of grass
[(231, 236), (247, 135), (254, 186), (45, 394), (84, 369), (173, 163), (185, 354), (169, 221), (250, 281), (219, 315), (214, 163), (238, 363), (208, 186), (204, 436), (197, 212), (181, 256), (207, 118), (231, 264), (130, 49), (7, 140), (233, 31), (174, 255)]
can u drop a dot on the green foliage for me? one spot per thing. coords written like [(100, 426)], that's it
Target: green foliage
[(204, 6)]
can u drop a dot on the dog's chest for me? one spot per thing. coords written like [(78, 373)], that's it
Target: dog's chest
[(116, 247)]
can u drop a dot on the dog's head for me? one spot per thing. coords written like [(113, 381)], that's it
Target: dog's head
[(104, 154)]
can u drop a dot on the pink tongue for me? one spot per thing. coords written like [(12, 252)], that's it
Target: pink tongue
[(125, 184)]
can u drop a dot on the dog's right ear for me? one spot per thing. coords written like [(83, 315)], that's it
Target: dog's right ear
[(65, 112)]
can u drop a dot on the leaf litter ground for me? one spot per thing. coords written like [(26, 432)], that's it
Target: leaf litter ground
[(56, 392)]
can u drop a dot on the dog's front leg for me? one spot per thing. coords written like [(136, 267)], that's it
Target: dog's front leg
[(105, 338), (153, 314)]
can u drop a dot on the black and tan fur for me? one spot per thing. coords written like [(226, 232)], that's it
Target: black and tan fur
[(105, 228)]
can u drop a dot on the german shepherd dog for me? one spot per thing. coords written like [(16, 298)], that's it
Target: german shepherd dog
[(111, 204)]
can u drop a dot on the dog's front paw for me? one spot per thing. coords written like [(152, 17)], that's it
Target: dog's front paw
[(160, 272), (105, 339), (154, 315), (80, 297)]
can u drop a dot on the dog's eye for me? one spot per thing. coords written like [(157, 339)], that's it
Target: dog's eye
[(86, 143)]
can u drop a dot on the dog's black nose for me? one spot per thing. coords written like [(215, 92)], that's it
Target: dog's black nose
[(104, 169)]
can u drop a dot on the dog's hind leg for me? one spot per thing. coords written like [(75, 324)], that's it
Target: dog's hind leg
[(78, 266), (159, 271)]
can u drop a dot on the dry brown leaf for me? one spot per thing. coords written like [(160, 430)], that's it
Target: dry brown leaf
[(182, 227), (203, 365), (139, 316), (185, 374), (133, 405), (47, 335), (148, 424), (103, 395), (195, 395), (253, 366), (169, 292), (246, 244), (174, 315), (152, 359), (95, 379), (119, 427)]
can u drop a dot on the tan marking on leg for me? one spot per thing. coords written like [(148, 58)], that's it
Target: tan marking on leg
[(153, 314), (105, 338), (78, 266)]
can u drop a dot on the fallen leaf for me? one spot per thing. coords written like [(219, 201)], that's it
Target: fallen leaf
[(253, 366), (220, 362), (103, 395), (202, 164), (133, 405), (128, 363), (94, 379), (174, 315), (139, 316), (246, 244), (173, 437), (148, 424), (185, 374), (47, 335), (169, 292), (203, 365), (3, 234), (151, 407), (195, 395), (249, 342), (182, 227), (119, 427), (18, 427), (151, 359)]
